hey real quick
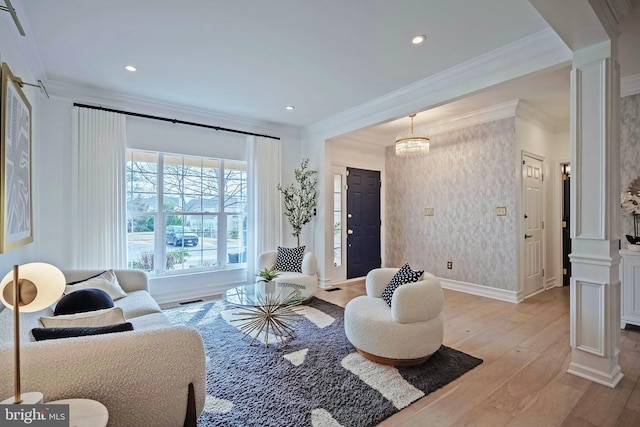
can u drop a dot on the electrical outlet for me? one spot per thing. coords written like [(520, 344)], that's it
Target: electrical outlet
[(449, 265), (501, 211), (428, 211)]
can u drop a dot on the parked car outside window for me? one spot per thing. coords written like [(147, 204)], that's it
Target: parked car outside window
[(178, 235)]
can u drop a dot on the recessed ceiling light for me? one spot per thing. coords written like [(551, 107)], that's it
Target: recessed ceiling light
[(130, 68), (418, 39), (289, 107)]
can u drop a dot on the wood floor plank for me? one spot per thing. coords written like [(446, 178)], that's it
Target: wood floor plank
[(628, 419), (517, 393), (552, 404)]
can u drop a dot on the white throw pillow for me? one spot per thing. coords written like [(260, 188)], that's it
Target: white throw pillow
[(107, 281), (106, 317)]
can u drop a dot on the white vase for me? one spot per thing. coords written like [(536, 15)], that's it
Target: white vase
[(634, 248), (270, 287)]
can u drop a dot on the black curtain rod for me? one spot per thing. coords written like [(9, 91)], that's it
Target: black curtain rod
[(165, 119)]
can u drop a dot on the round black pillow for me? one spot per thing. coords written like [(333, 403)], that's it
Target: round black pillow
[(83, 300)]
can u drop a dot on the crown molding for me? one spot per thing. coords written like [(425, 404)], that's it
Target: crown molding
[(513, 108), (153, 106), (472, 118), (527, 112), (630, 85), (536, 52)]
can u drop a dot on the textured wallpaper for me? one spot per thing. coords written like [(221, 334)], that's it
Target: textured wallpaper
[(467, 173), (629, 153)]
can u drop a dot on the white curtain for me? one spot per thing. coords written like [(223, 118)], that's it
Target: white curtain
[(100, 199), (265, 211)]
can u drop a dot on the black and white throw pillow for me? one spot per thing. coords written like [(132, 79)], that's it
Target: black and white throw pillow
[(289, 259), (404, 275)]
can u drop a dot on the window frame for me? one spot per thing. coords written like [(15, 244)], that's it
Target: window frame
[(160, 216)]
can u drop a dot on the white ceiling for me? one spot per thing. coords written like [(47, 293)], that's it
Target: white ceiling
[(250, 59)]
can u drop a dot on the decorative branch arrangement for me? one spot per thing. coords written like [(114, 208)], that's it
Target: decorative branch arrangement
[(300, 200)]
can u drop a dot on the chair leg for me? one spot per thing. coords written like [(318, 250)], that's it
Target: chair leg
[(190, 419)]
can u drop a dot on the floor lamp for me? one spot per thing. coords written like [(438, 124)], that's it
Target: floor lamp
[(28, 288)]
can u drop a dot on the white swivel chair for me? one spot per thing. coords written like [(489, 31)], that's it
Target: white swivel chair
[(308, 277), (406, 333)]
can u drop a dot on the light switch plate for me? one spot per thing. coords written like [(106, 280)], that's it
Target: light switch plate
[(501, 211), (428, 211)]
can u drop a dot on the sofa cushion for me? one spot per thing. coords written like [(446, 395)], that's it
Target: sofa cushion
[(41, 334), (82, 301), (137, 303), (106, 281), (109, 316), (150, 321), (289, 259), (404, 275)]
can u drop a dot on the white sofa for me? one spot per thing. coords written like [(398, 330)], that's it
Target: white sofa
[(143, 376), (308, 277), (406, 333)]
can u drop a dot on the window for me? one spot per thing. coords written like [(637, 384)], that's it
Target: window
[(201, 204), (337, 220)]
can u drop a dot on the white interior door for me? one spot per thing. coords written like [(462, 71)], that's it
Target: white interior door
[(533, 221)]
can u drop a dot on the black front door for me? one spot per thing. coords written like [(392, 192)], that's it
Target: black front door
[(363, 222)]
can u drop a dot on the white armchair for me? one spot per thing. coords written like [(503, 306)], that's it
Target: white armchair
[(406, 333), (308, 278)]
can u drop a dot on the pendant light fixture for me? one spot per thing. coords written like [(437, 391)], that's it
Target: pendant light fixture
[(411, 145)]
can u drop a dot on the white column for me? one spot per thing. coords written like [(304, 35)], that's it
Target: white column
[(595, 204)]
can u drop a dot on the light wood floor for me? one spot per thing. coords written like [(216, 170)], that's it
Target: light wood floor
[(523, 380)]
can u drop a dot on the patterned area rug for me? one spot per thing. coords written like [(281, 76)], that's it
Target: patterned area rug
[(316, 379)]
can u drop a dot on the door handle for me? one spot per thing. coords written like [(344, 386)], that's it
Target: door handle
[(526, 236), (349, 231)]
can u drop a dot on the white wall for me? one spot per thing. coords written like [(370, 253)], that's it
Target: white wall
[(54, 135)]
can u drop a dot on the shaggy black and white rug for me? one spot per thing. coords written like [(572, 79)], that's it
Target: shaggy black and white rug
[(316, 379)]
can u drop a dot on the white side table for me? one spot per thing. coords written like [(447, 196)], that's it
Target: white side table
[(85, 412)]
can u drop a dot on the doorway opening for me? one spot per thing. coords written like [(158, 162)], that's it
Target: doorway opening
[(565, 170)]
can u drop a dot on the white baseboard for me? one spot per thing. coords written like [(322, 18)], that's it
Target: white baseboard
[(166, 298), (324, 283), (483, 291), (607, 379)]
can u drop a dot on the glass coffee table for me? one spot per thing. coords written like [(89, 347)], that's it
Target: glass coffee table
[(267, 308)]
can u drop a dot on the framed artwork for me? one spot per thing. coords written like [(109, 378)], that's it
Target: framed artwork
[(16, 211)]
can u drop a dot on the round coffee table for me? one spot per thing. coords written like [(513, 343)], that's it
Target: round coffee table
[(267, 308), (251, 295)]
